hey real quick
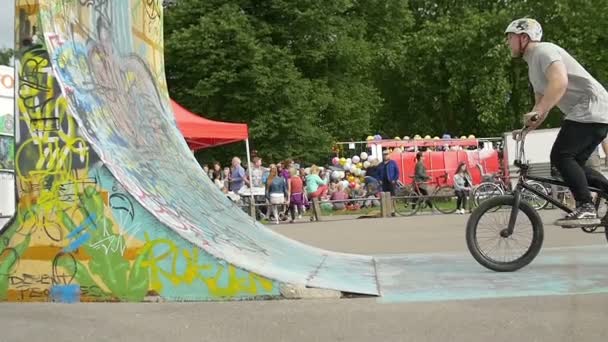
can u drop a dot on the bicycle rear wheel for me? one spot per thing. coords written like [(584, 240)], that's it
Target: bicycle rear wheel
[(487, 227), (407, 206), (444, 199), (601, 207)]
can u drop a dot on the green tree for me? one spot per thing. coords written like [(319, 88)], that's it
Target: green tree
[(5, 56), (306, 73)]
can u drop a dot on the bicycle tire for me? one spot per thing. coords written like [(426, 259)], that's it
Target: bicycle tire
[(407, 206), (537, 202), (491, 205), (442, 195), (485, 191), (602, 212)]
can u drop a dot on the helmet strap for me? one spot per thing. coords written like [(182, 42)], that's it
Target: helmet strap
[(522, 49)]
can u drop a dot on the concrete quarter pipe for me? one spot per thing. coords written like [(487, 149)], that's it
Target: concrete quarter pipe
[(112, 206)]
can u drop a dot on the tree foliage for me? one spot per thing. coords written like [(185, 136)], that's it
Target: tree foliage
[(307, 73), (5, 56)]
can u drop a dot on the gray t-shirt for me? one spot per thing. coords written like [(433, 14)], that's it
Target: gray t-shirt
[(585, 100)]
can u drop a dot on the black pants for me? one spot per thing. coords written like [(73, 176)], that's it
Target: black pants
[(461, 199), (388, 186), (574, 144)]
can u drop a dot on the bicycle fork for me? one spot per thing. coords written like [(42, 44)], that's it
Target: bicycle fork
[(505, 233)]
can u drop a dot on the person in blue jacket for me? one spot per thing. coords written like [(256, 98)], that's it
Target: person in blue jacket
[(388, 173)]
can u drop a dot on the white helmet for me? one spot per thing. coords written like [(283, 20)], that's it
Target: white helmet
[(528, 26)]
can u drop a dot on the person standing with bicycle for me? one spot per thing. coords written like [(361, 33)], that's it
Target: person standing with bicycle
[(559, 80), (388, 174), (420, 178)]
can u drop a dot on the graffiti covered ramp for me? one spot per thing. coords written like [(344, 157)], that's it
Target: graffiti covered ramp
[(116, 92)]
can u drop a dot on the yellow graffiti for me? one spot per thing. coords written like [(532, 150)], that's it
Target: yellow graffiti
[(191, 270), (53, 163)]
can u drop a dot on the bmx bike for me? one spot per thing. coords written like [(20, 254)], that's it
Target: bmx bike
[(511, 227)]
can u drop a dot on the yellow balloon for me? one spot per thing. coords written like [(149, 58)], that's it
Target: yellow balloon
[(342, 161), (360, 165), (369, 137)]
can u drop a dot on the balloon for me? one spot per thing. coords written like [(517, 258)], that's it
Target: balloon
[(377, 137), (463, 137), (364, 155), (342, 161), (356, 159), (446, 136), (471, 136), (352, 168), (341, 174), (357, 172), (335, 175), (397, 138), (335, 161), (363, 173), (427, 137), (351, 178), (345, 184), (417, 137), (359, 165), (349, 161), (366, 164), (369, 137), (405, 137), (435, 138), (352, 185)]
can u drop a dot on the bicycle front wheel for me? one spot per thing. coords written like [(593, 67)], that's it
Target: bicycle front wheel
[(444, 199), (537, 202), (485, 191), (491, 247)]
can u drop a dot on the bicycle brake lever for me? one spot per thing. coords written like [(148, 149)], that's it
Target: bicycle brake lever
[(516, 134)]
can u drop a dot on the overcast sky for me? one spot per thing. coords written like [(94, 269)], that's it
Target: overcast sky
[(7, 23)]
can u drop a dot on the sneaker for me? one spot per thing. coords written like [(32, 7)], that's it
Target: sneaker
[(584, 215)]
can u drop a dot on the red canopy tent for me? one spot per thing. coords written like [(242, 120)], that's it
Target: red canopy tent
[(203, 133)]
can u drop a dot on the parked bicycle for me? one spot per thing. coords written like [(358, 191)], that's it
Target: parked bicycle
[(505, 223), (409, 199), (495, 185)]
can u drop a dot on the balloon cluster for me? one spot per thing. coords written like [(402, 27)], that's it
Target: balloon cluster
[(353, 170)]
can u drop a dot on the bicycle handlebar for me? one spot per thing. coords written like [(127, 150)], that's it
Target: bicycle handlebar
[(520, 139)]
